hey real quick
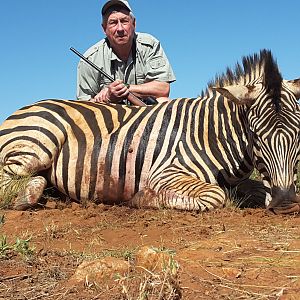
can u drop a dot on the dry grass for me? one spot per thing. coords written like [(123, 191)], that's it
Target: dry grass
[(232, 201), (230, 289), (10, 187), (152, 285)]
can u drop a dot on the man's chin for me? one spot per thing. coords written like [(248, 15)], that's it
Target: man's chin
[(121, 41)]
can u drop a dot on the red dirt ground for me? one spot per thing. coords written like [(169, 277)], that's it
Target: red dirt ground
[(225, 254)]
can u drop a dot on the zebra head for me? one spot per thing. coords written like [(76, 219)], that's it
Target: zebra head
[(272, 115)]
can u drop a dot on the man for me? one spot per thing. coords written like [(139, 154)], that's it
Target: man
[(136, 61)]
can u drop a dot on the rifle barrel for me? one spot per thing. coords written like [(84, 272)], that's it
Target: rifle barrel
[(133, 99)]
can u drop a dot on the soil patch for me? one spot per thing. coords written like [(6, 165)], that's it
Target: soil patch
[(225, 254)]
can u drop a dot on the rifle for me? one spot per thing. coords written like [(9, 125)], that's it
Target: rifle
[(135, 100)]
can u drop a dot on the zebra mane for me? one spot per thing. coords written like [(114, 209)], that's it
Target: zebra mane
[(253, 67)]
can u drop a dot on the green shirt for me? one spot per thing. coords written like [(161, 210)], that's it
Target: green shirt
[(151, 63)]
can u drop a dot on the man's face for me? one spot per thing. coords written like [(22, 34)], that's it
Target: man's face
[(119, 28)]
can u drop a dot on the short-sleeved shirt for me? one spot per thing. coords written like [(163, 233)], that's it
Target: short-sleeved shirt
[(146, 63)]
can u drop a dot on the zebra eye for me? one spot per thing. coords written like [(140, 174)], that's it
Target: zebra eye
[(257, 143)]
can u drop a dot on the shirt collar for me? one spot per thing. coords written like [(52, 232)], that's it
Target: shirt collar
[(113, 56)]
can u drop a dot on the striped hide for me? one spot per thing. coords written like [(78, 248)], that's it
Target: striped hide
[(179, 154)]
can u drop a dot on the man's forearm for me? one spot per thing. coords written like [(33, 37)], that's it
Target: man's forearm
[(154, 88)]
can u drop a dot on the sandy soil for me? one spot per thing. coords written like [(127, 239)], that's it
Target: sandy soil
[(225, 254)]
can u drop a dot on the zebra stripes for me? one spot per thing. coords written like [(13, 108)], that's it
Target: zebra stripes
[(178, 154)]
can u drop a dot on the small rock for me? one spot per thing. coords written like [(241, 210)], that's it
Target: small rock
[(155, 260), (99, 271), (232, 272)]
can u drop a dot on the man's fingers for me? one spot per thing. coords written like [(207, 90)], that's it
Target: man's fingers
[(101, 97), (120, 90)]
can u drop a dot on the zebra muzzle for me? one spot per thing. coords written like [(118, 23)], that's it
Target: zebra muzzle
[(292, 209), (284, 201)]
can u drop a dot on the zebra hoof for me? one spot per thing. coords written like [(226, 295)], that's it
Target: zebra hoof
[(29, 197)]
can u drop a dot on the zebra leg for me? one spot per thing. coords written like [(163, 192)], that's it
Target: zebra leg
[(20, 193), (182, 192), (21, 189), (29, 197), (251, 193)]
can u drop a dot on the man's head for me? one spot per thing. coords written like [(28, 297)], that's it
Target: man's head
[(118, 23)]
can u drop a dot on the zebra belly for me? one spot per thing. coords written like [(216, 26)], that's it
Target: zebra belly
[(100, 175)]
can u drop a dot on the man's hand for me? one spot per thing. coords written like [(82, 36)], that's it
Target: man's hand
[(114, 93), (117, 91), (101, 97)]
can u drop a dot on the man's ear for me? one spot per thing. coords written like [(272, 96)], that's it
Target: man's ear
[(294, 86), (240, 94)]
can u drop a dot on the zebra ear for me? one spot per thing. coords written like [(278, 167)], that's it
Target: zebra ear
[(240, 94), (294, 86)]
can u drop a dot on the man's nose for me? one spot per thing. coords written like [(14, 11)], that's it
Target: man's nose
[(120, 26)]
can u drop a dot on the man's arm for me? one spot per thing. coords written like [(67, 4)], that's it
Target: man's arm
[(153, 88), (117, 91), (155, 67), (87, 84)]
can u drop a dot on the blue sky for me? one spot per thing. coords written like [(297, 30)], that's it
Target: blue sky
[(201, 38)]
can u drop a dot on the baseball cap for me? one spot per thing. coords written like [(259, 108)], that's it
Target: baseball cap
[(110, 3)]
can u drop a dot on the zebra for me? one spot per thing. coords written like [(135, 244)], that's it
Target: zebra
[(181, 154)]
